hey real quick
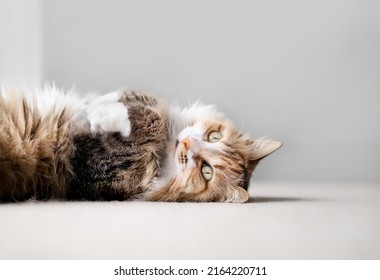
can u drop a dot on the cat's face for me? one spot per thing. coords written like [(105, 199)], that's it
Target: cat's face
[(213, 162)]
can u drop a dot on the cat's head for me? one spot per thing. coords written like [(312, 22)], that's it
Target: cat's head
[(213, 161)]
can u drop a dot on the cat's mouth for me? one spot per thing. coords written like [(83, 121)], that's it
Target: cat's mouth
[(186, 149), (183, 158)]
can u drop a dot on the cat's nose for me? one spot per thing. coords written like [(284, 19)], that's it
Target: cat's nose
[(186, 143), (191, 143)]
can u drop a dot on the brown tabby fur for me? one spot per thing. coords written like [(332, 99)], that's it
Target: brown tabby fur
[(51, 156), (109, 166), (34, 152)]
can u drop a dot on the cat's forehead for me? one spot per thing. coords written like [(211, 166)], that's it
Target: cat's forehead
[(213, 124), (202, 128)]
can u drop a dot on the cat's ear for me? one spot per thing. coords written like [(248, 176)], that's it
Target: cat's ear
[(239, 195), (263, 148), (258, 150)]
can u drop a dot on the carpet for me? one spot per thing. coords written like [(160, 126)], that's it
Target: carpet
[(281, 221)]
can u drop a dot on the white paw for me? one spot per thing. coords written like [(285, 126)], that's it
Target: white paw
[(106, 114)]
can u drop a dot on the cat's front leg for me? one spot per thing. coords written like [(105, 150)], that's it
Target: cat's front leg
[(107, 114)]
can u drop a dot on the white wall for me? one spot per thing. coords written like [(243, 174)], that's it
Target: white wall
[(20, 42), (304, 72)]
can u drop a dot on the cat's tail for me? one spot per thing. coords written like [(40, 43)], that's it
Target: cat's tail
[(35, 146)]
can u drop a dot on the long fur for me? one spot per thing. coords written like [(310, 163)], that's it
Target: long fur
[(35, 148), (123, 145)]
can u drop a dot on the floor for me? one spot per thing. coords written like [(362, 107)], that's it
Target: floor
[(282, 221)]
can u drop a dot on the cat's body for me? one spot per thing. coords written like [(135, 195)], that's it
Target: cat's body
[(123, 145)]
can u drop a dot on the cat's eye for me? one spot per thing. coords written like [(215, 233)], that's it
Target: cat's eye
[(214, 137), (207, 172)]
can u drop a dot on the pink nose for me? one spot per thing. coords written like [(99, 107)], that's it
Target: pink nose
[(186, 143), (191, 143)]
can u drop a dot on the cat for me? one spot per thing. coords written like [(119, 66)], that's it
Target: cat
[(122, 145)]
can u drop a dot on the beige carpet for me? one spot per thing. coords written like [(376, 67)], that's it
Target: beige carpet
[(283, 221)]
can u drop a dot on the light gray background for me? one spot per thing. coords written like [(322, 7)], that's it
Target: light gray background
[(303, 72)]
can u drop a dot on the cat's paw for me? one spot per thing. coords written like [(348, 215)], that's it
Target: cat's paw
[(107, 114)]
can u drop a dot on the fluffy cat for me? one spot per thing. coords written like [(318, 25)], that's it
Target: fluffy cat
[(122, 145)]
